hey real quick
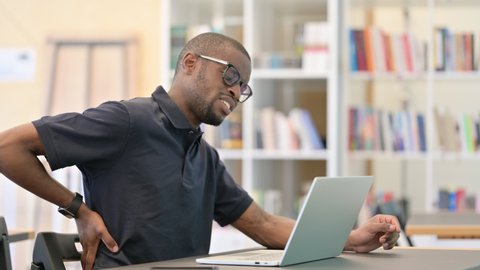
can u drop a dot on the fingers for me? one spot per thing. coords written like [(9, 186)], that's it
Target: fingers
[(90, 249), (109, 242), (379, 231), (379, 227), (384, 223), (83, 260), (389, 241), (92, 229), (390, 219), (88, 256), (390, 227)]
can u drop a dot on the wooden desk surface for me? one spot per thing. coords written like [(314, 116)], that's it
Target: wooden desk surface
[(445, 225), (16, 235), (398, 258)]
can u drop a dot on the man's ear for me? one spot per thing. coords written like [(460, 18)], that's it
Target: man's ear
[(189, 62)]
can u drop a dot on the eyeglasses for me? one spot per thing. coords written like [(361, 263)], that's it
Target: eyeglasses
[(231, 77)]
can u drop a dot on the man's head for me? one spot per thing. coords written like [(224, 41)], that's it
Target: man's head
[(211, 78)]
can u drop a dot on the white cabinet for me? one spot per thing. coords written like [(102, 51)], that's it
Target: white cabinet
[(276, 34), (446, 98)]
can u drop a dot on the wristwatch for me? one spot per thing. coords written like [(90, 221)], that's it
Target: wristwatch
[(72, 209)]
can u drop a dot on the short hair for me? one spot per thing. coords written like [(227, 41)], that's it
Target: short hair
[(209, 42)]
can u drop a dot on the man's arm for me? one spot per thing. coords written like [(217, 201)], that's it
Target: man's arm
[(19, 148), (273, 231), (266, 229)]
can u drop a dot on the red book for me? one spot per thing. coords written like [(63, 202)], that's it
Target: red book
[(408, 52), (468, 51), (388, 52), (360, 46)]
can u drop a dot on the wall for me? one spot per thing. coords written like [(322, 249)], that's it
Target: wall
[(28, 24)]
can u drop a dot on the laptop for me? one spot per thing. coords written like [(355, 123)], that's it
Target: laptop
[(328, 214)]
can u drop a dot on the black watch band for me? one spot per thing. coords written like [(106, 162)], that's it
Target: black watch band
[(72, 209)]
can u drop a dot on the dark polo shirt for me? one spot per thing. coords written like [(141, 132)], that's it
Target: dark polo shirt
[(148, 173)]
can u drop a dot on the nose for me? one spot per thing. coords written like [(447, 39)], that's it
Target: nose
[(235, 91)]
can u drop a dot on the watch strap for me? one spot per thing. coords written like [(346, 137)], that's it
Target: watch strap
[(72, 209)]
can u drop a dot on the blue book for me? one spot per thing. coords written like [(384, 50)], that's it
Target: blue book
[(421, 133), (353, 50), (312, 130)]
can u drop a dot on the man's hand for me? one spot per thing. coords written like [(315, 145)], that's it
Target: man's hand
[(380, 230), (91, 230)]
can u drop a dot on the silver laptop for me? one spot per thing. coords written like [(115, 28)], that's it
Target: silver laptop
[(328, 215)]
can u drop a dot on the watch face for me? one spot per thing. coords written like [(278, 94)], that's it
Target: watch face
[(66, 213)]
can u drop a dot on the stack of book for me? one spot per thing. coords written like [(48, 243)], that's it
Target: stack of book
[(457, 200), (378, 130), (457, 133), (293, 131), (375, 51), (453, 51)]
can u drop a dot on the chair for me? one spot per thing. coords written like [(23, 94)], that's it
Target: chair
[(5, 260), (52, 249)]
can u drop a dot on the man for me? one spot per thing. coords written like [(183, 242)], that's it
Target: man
[(152, 185)]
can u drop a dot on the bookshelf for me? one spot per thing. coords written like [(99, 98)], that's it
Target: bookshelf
[(441, 89), (277, 35)]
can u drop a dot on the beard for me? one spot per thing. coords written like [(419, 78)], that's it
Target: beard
[(204, 108), (210, 118)]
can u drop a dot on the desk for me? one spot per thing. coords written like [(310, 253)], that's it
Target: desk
[(397, 258), (445, 225)]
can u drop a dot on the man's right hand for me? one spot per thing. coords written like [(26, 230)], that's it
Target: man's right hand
[(19, 148), (91, 230)]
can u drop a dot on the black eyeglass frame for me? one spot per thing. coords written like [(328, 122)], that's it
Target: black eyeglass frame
[(245, 90)]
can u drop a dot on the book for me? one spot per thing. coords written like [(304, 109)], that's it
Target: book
[(353, 50), (407, 49), (268, 130), (361, 51), (379, 144), (303, 125), (387, 132), (353, 137), (398, 54), (231, 131), (315, 55), (286, 136), (368, 129), (422, 139), (469, 136), (438, 49), (398, 139), (447, 130), (378, 47), (308, 123)]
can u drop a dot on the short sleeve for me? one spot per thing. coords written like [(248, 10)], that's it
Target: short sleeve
[(231, 200), (78, 138)]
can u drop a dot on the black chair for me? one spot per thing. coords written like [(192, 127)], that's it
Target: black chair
[(5, 260), (52, 249)]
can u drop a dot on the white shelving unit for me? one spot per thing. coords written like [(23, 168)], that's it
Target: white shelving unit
[(268, 27), (416, 175)]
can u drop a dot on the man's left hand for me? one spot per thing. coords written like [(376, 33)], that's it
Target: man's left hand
[(378, 231)]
